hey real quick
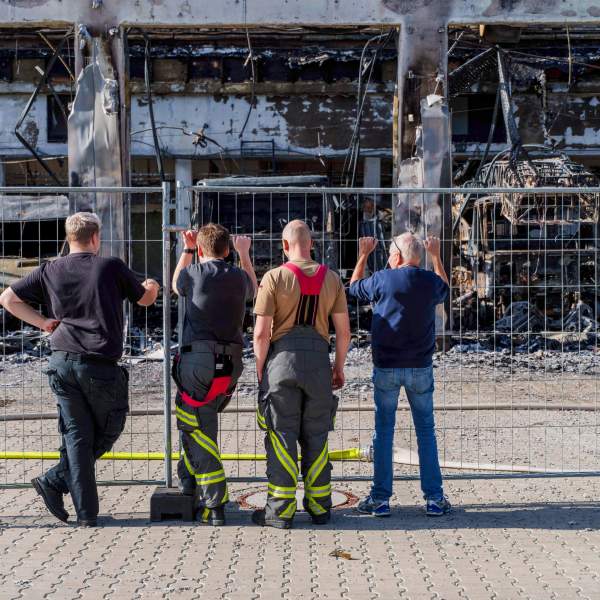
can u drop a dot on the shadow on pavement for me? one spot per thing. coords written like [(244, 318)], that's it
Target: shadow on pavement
[(535, 515)]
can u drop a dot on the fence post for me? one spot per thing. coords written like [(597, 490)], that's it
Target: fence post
[(166, 247)]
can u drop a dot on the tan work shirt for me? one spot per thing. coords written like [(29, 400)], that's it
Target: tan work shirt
[(279, 295)]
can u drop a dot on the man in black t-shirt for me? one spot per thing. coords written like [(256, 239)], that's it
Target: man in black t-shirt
[(210, 358), (83, 295)]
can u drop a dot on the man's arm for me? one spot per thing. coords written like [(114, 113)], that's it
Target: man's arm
[(14, 305), (262, 340), (366, 245), (186, 258), (242, 243), (432, 245), (341, 324)]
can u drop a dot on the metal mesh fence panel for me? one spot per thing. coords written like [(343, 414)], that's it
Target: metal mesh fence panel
[(32, 233), (516, 360)]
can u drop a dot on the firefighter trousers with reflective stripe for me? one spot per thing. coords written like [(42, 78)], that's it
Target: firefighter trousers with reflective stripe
[(200, 465), (296, 407)]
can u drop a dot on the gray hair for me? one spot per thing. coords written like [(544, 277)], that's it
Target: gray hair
[(409, 245), (81, 226)]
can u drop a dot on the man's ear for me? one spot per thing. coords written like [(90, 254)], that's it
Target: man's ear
[(286, 246), (227, 252), (200, 253)]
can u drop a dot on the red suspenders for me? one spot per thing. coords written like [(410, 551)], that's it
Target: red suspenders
[(310, 288)]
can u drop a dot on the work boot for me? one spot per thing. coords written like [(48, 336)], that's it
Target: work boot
[(258, 517), (53, 500), (212, 516), (321, 519)]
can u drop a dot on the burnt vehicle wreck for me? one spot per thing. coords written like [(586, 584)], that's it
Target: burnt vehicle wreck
[(527, 262), (523, 262)]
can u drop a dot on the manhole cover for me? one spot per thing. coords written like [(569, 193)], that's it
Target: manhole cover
[(258, 499)]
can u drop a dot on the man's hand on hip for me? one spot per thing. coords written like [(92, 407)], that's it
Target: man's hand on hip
[(49, 325)]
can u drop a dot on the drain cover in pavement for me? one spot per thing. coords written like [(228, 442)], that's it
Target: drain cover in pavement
[(258, 498)]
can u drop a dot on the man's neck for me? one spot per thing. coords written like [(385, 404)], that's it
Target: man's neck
[(408, 264), (77, 249), (299, 255), (209, 258)]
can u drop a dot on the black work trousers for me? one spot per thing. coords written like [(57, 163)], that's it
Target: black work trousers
[(92, 399)]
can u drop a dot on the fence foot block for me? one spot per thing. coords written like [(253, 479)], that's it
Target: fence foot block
[(171, 504)]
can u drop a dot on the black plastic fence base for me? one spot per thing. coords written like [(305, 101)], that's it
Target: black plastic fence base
[(169, 504)]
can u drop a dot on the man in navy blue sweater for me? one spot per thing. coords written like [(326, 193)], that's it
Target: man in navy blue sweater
[(404, 300)]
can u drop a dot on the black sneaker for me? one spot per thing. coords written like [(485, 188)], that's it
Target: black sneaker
[(258, 517), (53, 500), (87, 523), (211, 516)]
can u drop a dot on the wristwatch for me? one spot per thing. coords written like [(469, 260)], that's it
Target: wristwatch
[(188, 251)]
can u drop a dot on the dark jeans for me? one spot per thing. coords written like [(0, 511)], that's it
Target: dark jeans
[(92, 399)]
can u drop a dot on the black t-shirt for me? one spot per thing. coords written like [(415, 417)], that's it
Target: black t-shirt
[(85, 293), (216, 294)]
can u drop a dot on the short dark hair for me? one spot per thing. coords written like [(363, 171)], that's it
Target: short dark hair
[(213, 239)]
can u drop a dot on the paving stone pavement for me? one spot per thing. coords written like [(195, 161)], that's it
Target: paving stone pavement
[(505, 539)]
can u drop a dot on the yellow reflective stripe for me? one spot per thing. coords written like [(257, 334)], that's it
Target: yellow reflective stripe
[(317, 466), (315, 508), (183, 415), (208, 479), (200, 441), (225, 496), (319, 488), (205, 514), (208, 440), (212, 473), (289, 512), (322, 494), (282, 487), (188, 465), (284, 458), (278, 491), (259, 417), (211, 481), (187, 421), (261, 420)]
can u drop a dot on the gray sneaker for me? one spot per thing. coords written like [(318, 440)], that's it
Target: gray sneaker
[(377, 508), (438, 508)]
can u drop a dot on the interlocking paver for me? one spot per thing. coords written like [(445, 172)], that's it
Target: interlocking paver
[(506, 539)]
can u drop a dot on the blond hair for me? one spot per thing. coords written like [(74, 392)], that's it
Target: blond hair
[(81, 227)]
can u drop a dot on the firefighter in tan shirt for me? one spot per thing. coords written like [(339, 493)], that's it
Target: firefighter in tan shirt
[(296, 404)]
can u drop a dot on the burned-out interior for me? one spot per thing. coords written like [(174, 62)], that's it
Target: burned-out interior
[(524, 262)]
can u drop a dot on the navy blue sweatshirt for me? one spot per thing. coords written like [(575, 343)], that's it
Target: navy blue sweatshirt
[(403, 328)]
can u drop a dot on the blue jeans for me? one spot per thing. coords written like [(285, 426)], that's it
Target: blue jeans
[(418, 384)]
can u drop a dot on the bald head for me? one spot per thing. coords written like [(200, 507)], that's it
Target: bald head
[(297, 233), (297, 240)]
